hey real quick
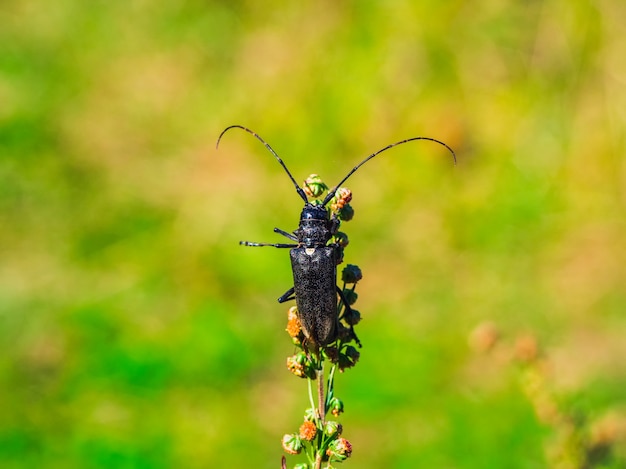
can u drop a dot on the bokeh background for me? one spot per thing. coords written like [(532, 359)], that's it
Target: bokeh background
[(136, 333)]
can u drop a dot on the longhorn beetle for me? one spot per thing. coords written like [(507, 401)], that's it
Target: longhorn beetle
[(313, 260)]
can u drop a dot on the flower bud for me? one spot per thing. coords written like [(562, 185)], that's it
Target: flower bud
[(351, 274), (308, 430), (339, 449), (310, 414), (336, 407), (341, 239), (527, 348), (293, 322), (344, 334), (343, 194), (353, 353), (342, 197), (484, 337), (352, 317), (348, 358), (332, 428), (314, 186), (350, 296), (292, 444), (346, 213), (300, 366)]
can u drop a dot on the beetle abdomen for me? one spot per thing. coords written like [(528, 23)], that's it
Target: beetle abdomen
[(315, 286)]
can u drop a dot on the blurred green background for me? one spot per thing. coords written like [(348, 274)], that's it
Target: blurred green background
[(136, 333)]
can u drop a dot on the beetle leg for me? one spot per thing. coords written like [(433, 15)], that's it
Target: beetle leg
[(358, 342), (276, 245), (343, 298), (289, 295), (334, 224), (286, 234)]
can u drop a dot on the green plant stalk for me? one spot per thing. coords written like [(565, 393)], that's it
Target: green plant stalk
[(320, 394)]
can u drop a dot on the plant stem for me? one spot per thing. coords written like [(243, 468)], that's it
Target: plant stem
[(321, 410), (311, 394), (321, 401), (331, 385)]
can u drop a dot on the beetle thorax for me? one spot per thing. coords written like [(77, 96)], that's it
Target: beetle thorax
[(314, 229)]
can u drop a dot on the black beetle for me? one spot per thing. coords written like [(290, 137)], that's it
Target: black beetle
[(313, 260)]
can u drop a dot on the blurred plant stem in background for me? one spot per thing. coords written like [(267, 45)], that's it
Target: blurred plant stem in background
[(579, 440)]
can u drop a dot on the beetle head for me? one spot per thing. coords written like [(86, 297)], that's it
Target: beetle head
[(314, 212)]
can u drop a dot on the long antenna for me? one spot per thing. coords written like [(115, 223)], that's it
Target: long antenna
[(298, 188), (331, 193)]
